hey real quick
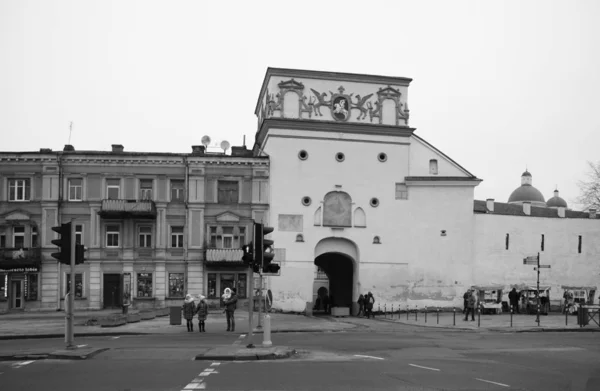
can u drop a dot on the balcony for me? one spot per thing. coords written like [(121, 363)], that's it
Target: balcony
[(224, 257), (20, 259), (128, 209)]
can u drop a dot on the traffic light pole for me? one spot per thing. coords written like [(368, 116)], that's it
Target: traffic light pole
[(70, 337), (260, 279)]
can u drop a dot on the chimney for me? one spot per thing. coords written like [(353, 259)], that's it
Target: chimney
[(198, 149), (561, 211), (117, 148), (240, 151), (527, 208), (592, 213), (68, 148), (489, 203), (45, 150)]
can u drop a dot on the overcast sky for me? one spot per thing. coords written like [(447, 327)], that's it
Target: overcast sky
[(497, 86)]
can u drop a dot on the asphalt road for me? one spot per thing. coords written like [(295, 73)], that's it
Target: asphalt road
[(376, 356)]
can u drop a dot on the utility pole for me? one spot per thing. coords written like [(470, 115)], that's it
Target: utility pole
[(538, 290), (70, 337)]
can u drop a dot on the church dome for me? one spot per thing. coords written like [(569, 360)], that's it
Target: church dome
[(556, 201), (526, 192)]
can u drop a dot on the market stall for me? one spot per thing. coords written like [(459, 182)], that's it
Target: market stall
[(575, 296), (528, 298), (489, 298)]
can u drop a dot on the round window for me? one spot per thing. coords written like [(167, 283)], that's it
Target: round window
[(303, 155), (339, 157), (374, 202), (306, 201), (382, 157)]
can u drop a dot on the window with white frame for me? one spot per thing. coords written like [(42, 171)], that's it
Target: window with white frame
[(145, 189), (176, 285), (34, 237), (78, 284), (18, 237), (78, 233), (19, 190), (177, 237), (144, 285), (226, 236), (401, 191), (75, 189), (112, 235), (177, 190), (113, 189), (145, 236)]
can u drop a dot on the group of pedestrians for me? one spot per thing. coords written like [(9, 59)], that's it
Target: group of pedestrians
[(190, 309), (365, 305)]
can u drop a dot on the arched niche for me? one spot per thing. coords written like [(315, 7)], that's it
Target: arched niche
[(360, 219), (317, 217), (337, 209)]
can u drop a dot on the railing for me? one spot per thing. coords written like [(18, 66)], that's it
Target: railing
[(128, 208), (14, 253), (233, 255)]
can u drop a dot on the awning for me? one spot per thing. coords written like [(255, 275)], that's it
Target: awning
[(579, 287), (488, 287)]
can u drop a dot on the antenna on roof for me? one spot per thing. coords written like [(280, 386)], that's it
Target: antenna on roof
[(70, 131), (205, 141), (224, 145), (244, 141)]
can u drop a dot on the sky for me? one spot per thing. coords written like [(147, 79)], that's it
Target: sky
[(499, 86)]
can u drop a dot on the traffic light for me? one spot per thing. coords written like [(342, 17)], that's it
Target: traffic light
[(264, 249), (64, 243), (248, 257), (79, 253)]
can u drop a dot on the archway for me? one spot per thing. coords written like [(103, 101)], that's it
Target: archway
[(338, 259)]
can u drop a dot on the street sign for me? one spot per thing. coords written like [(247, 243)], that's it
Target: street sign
[(543, 267), (528, 262)]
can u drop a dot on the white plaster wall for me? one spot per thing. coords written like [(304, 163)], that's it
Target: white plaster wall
[(493, 263), (421, 153), (414, 264)]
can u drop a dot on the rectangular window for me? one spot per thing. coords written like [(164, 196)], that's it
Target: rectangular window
[(31, 290), (112, 235), (228, 192), (433, 167), (3, 241), (241, 285), (211, 292), (401, 191), (145, 234), (19, 190), (145, 189), (542, 244), (34, 237), (113, 189), (507, 241), (242, 238), (177, 237), (579, 245), (75, 189), (213, 237), (78, 233), (177, 187), (227, 281), (176, 287), (18, 237), (78, 284), (227, 237), (144, 285)]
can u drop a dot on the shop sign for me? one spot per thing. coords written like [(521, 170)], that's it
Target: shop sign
[(21, 270)]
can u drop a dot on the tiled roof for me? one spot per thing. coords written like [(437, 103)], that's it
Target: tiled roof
[(441, 178), (501, 208)]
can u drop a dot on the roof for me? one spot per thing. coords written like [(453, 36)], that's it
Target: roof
[(556, 201), (576, 287), (501, 208), (526, 193), (526, 173)]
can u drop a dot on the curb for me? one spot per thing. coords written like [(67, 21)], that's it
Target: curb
[(62, 335), (57, 355), (249, 356)]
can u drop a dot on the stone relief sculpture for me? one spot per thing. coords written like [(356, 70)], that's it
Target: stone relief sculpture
[(276, 102), (393, 94)]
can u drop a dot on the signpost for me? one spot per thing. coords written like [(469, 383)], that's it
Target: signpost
[(535, 260)]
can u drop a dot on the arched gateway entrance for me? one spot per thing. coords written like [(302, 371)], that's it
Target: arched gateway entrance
[(338, 259)]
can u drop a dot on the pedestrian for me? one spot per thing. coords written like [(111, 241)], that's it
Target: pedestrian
[(472, 300), (361, 305), (230, 306), (202, 311), (326, 303), (466, 300), (513, 297), (189, 309), (369, 302)]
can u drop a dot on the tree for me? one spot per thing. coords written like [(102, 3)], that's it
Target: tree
[(589, 189)]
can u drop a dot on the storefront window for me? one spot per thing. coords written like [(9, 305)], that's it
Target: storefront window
[(241, 285), (78, 285), (227, 281), (176, 286), (144, 284), (212, 286), (31, 289)]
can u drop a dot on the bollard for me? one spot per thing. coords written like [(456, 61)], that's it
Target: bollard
[(267, 331), (566, 317), (438, 316), (425, 314), (378, 308), (478, 316), (538, 315), (416, 312), (385, 310), (511, 314), (407, 311), (454, 316), (392, 311)]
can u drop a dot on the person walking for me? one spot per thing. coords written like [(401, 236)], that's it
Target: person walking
[(189, 309), (472, 300), (513, 297), (370, 301), (230, 306), (202, 311), (466, 300), (361, 305)]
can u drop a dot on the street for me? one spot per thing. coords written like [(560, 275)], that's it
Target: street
[(375, 355)]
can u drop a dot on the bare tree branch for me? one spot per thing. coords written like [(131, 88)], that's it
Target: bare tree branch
[(589, 189)]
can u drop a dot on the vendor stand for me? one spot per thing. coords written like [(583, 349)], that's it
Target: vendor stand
[(575, 296), (528, 294), (489, 298)]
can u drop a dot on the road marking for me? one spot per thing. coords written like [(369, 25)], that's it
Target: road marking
[(215, 364), (21, 363), (81, 346), (195, 386), (198, 383), (493, 382), (377, 358), (115, 337), (418, 366)]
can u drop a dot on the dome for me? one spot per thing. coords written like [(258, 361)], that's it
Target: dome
[(526, 173), (556, 201), (526, 193)]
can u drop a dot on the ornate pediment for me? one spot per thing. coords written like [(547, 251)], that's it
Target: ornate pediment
[(228, 217), (17, 215), (291, 85)]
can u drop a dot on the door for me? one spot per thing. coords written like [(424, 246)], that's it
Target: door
[(112, 291), (16, 294)]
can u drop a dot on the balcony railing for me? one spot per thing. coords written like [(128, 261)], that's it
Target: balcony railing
[(123, 209), (20, 258), (225, 256)]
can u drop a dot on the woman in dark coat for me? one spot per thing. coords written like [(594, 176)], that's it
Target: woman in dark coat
[(202, 311), (189, 309), (361, 305)]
